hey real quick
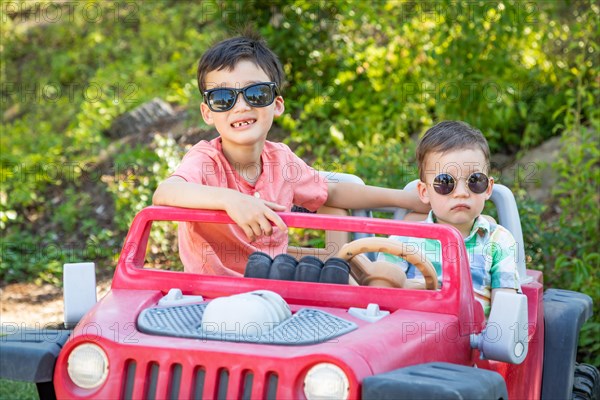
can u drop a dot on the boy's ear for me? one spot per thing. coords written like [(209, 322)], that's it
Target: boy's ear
[(490, 189), (422, 191), (206, 114), (279, 106)]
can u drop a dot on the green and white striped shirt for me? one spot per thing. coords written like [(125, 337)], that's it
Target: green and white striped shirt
[(492, 252)]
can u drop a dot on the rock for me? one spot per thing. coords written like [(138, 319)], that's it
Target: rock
[(501, 161), (12, 113), (142, 118), (533, 171)]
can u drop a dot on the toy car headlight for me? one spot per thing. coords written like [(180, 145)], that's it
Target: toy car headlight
[(87, 366), (326, 381)]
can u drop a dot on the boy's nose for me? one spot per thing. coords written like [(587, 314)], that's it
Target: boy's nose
[(461, 188), (240, 103)]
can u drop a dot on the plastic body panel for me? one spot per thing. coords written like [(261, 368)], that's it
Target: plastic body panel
[(373, 348), (423, 326), (456, 295)]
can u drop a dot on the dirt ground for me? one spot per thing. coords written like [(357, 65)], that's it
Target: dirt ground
[(33, 306)]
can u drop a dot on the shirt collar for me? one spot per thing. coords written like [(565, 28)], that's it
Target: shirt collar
[(481, 226), (430, 218)]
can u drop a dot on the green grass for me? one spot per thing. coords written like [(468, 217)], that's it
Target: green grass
[(16, 390)]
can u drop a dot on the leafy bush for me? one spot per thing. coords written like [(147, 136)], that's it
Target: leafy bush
[(570, 257), (412, 63), (562, 239)]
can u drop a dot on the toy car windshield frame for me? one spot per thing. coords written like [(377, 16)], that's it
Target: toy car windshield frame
[(131, 274)]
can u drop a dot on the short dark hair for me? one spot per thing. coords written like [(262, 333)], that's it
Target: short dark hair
[(449, 136), (227, 53)]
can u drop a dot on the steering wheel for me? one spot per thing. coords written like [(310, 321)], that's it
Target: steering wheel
[(383, 273)]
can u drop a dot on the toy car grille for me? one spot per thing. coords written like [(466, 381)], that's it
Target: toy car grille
[(306, 326), (151, 380)]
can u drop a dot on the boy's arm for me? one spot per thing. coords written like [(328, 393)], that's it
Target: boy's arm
[(253, 215), (355, 196)]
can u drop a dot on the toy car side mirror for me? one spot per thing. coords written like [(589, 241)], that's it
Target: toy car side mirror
[(505, 337), (79, 291)]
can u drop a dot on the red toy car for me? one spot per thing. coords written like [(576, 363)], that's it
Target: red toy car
[(168, 334)]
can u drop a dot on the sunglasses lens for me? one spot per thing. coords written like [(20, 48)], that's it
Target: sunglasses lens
[(443, 184), (260, 95), (221, 99), (478, 183)]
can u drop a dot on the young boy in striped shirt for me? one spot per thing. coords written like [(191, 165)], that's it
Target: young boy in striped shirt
[(453, 160)]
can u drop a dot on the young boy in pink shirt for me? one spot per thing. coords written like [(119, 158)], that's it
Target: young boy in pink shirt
[(243, 173)]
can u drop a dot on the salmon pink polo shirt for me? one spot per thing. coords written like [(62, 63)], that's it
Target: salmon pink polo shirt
[(222, 249)]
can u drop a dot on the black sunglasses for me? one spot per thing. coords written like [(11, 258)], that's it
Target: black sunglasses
[(256, 95), (445, 184)]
